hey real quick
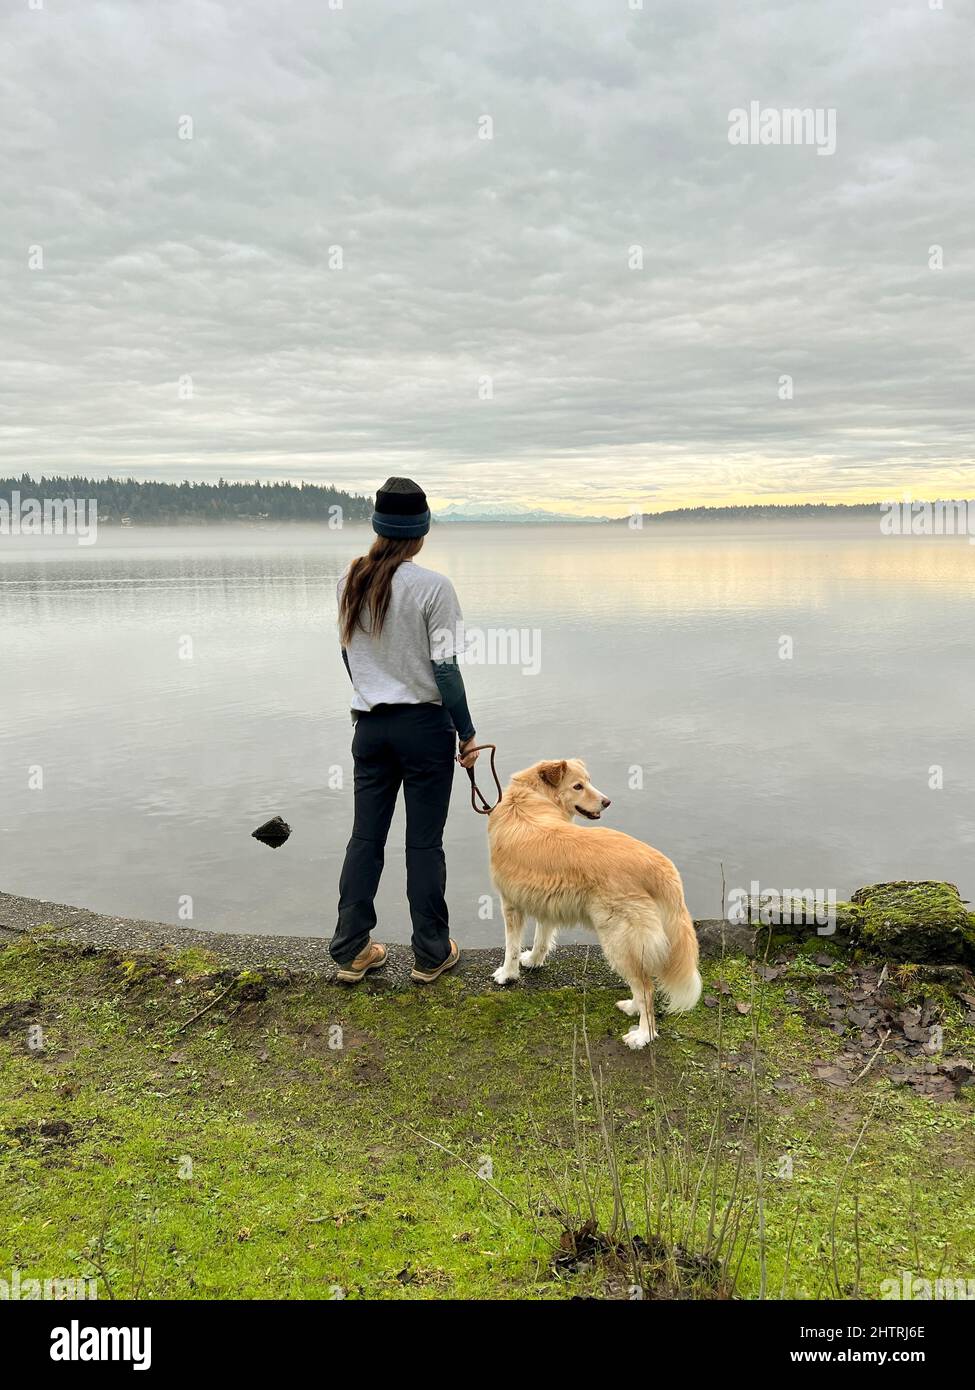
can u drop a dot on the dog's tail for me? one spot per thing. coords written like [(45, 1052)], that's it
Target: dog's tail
[(679, 977)]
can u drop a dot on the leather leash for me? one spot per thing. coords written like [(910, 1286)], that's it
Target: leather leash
[(476, 794)]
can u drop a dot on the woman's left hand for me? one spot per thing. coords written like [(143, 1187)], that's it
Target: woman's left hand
[(467, 759)]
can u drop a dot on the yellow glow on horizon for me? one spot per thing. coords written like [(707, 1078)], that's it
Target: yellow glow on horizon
[(671, 498)]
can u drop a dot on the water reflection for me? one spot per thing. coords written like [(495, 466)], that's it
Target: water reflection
[(659, 663)]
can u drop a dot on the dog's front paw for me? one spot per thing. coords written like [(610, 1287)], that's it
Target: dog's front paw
[(638, 1037), (530, 961), (629, 1007), (502, 976)]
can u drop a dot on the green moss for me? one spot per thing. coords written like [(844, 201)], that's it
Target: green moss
[(823, 945), (312, 1142), (249, 977), (914, 921), (193, 962)]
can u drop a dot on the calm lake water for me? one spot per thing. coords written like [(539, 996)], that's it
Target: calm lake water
[(658, 657)]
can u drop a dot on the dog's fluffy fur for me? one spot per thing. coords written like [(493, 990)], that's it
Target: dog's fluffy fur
[(546, 867)]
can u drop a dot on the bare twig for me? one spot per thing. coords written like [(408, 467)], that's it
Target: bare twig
[(97, 1259), (836, 1205), (469, 1166), (212, 1005), (873, 1057)]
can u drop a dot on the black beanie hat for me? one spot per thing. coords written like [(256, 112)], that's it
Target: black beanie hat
[(401, 510)]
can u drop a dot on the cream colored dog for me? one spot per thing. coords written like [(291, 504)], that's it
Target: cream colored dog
[(629, 894)]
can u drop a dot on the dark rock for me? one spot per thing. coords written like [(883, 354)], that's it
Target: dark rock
[(718, 938), (273, 832)]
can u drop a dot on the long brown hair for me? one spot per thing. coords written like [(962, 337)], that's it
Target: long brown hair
[(369, 585)]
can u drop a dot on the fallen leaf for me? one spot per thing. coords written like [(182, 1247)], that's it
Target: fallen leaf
[(833, 1076), (912, 1027)]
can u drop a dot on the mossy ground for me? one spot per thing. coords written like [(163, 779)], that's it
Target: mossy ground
[(248, 1155)]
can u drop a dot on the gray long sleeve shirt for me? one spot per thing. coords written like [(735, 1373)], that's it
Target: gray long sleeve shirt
[(423, 631)]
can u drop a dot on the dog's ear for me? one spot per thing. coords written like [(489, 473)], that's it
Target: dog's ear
[(552, 773)]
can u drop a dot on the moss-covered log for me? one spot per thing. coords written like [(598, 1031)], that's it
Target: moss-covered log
[(914, 921)]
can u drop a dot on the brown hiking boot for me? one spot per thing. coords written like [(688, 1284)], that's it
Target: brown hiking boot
[(426, 977), (371, 958)]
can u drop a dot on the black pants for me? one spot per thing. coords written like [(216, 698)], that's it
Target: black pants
[(394, 745)]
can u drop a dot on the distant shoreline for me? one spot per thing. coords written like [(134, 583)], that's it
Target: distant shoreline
[(678, 516), (129, 503)]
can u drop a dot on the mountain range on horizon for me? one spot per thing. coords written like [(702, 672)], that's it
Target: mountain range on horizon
[(510, 513)]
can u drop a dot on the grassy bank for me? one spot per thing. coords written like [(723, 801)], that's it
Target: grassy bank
[(295, 1140)]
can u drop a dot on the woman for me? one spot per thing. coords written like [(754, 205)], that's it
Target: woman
[(402, 630)]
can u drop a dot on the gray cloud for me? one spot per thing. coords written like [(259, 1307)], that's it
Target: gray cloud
[(507, 258)]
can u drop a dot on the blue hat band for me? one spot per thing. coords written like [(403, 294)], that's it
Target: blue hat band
[(401, 528)]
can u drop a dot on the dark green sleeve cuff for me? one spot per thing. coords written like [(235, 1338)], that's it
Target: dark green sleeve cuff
[(450, 683)]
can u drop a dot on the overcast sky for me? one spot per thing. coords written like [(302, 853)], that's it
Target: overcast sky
[(469, 265)]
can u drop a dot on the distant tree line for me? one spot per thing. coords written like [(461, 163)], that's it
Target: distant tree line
[(758, 511), (161, 504)]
